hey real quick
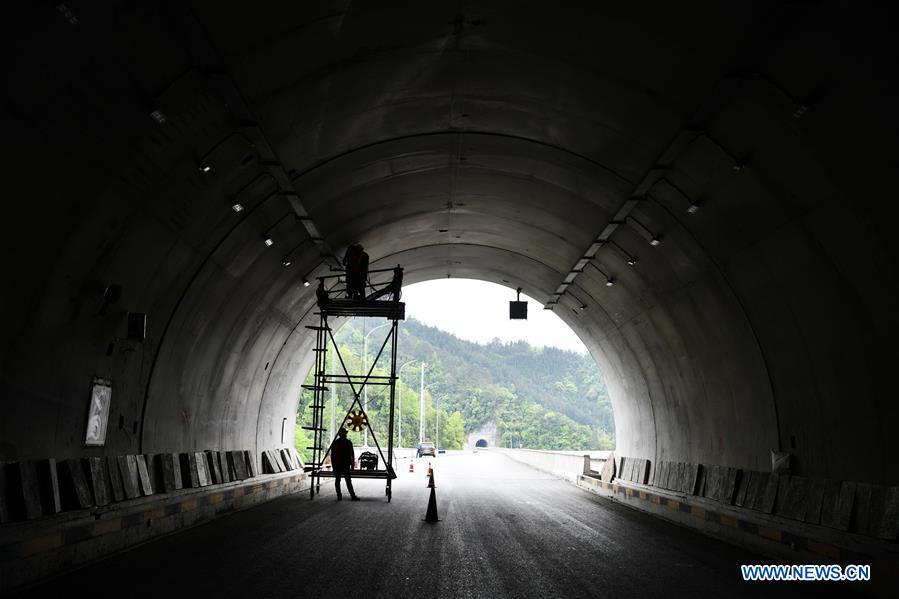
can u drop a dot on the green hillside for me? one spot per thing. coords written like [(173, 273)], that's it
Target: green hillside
[(540, 398)]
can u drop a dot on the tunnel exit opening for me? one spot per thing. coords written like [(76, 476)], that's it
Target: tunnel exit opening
[(467, 378)]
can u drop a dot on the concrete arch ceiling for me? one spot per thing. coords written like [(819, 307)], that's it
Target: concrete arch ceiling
[(479, 140)]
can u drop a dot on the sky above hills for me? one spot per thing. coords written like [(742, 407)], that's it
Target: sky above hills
[(479, 311)]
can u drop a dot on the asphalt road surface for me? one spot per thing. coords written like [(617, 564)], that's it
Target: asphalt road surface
[(505, 531)]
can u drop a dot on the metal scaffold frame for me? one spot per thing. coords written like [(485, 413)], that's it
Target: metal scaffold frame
[(371, 305)]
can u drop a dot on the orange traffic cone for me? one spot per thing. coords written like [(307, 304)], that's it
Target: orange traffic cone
[(411, 466), (431, 515), (430, 470)]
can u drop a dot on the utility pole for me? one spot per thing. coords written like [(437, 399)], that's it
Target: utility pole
[(365, 370), (421, 401), (400, 397), (333, 400)]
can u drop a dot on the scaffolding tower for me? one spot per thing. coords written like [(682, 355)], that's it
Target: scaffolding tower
[(380, 300)]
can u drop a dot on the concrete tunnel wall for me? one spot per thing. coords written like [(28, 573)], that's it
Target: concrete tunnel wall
[(496, 145)]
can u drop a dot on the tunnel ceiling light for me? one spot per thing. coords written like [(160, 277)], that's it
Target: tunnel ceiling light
[(305, 282), (737, 167), (654, 239), (610, 282), (268, 241), (237, 207), (159, 116), (693, 208), (631, 259), (67, 14), (204, 168), (800, 111), (286, 262)]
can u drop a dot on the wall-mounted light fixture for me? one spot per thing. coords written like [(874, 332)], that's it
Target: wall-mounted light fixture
[(654, 239), (610, 281), (159, 116), (287, 260), (692, 204), (583, 304), (630, 258), (267, 238), (237, 207), (737, 164)]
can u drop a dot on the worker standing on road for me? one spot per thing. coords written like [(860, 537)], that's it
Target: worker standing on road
[(356, 262), (342, 457)]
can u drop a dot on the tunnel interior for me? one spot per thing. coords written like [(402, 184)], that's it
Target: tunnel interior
[(481, 444), (697, 193)]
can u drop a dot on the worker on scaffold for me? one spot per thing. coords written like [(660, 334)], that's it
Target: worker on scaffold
[(355, 260)]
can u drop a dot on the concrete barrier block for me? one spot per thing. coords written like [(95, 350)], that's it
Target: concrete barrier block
[(814, 502), (238, 464), (608, 469), (876, 510), (644, 472), (836, 508), (48, 481), (74, 487), (130, 479), (713, 482), (682, 475), (4, 490), (189, 475), (889, 522), (99, 481), (692, 472), (757, 489), (31, 489), (232, 470), (797, 502), (278, 462), (862, 510), (143, 475), (742, 487), (116, 487), (287, 459), (223, 466), (154, 469), (199, 462), (844, 506), (171, 472), (268, 462), (657, 473), (212, 464), (770, 494), (251, 463), (728, 485)]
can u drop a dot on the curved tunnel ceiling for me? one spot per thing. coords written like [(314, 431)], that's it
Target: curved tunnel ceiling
[(483, 140)]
